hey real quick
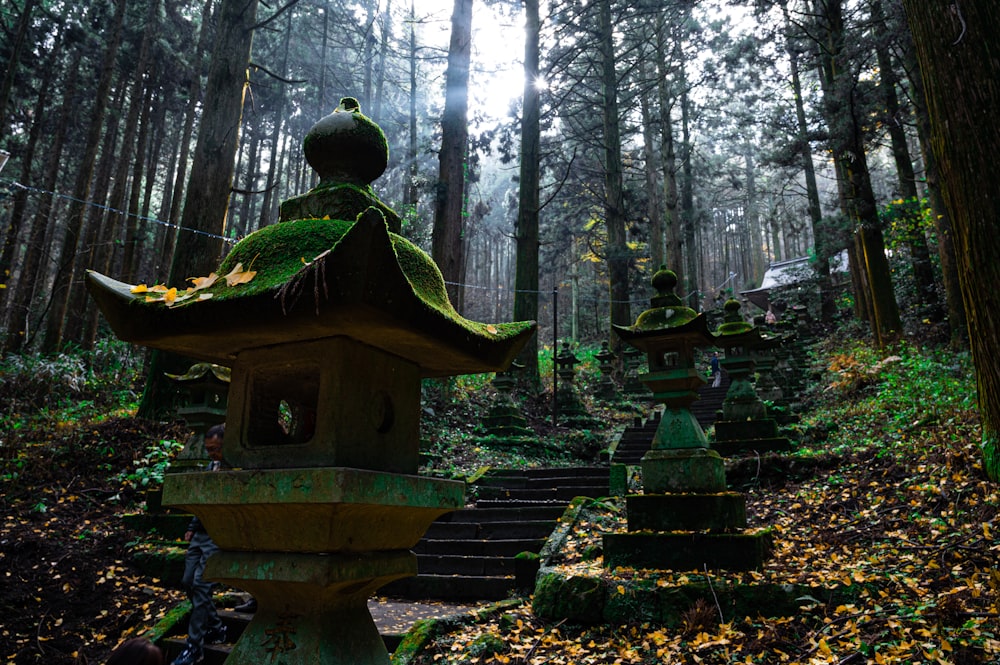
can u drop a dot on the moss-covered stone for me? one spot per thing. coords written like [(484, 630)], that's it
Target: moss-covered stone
[(644, 599), (423, 632), (346, 146), (574, 598)]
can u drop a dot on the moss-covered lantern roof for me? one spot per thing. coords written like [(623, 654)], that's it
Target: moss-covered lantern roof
[(734, 330), (319, 277), (667, 318)]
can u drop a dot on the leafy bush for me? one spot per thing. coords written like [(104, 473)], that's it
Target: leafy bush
[(108, 375), (150, 468)]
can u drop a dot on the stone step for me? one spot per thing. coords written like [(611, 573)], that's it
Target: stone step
[(477, 566), (563, 472), (487, 530), (545, 511), (470, 554), (452, 587), (500, 547), (529, 482)]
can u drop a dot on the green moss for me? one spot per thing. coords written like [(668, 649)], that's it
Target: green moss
[(575, 598), (664, 317), (346, 146), (735, 328)]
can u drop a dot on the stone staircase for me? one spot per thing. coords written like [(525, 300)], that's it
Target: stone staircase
[(471, 554), (710, 401), (635, 440), (637, 437), (468, 554)]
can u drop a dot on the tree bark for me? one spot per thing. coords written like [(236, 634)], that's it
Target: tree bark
[(824, 244), (18, 333), (526, 231), (449, 213), (847, 141), (81, 191), (673, 256), (915, 240), (16, 46), (942, 222), (204, 218), (618, 256), (955, 44)]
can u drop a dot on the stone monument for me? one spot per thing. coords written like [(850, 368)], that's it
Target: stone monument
[(745, 424), (572, 411), (685, 518), (329, 320)]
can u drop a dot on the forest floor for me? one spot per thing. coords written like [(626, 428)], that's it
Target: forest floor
[(886, 496)]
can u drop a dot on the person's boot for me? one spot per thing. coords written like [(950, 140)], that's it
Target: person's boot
[(248, 607), (189, 656), (216, 635)]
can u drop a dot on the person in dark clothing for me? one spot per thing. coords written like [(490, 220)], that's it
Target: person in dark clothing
[(204, 626), (716, 370)]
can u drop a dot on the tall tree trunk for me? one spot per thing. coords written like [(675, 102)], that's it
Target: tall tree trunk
[(382, 54), (19, 209), (204, 218), (194, 98), (18, 333), (81, 191), (410, 192), (942, 221), (654, 188), (691, 273), (614, 200), (526, 231), (916, 241), (16, 47), (823, 237), (145, 164), (854, 179), (449, 213), (955, 45), (271, 183), (673, 257)]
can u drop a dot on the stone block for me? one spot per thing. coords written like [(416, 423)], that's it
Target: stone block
[(313, 510), (683, 470), (725, 511), (687, 551)]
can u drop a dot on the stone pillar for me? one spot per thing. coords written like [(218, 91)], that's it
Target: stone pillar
[(328, 335), (685, 518), (745, 425)]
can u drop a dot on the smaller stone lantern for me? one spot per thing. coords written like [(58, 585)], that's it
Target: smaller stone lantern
[(685, 518), (745, 424), (205, 390), (606, 389), (632, 359), (505, 422), (572, 412)]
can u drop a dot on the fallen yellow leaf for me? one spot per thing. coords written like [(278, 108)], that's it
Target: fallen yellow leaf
[(199, 283), (239, 276)]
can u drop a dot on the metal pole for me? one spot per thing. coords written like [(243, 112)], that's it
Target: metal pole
[(555, 350)]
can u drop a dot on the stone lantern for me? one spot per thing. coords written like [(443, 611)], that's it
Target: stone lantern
[(685, 518), (632, 359), (606, 389), (572, 411), (205, 392), (328, 341), (504, 419), (745, 424)]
